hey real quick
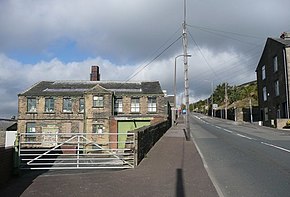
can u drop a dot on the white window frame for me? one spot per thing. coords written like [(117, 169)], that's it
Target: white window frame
[(67, 105), (98, 101), (118, 105), (263, 72), (264, 93), (275, 63), (49, 105), (31, 104), (98, 128), (276, 84), (135, 105), (81, 105), (152, 104)]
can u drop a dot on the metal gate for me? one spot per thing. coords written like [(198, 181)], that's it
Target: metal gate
[(76, 150)]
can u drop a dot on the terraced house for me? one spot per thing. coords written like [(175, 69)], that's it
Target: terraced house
[(273, 81), (89, 107)]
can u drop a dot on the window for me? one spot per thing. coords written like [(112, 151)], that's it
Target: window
[(98, 128), (30, 130), (152, 107), (266, 118), (67, 105), (277, 88), (135, 105), (263, 72), (49, 105), (98, 101), (31, 104), (264, 94), (81, 105), (275, 63), (118, 105)]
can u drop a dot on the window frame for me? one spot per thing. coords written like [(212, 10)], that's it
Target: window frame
[(118, 105), (152, 106), (263, 72), (98, 128), (66, 105), (98, 102), (276, 88), (81, 105), (49, 106), (264, 93), (29, 106), (135, 105), (275, 63)]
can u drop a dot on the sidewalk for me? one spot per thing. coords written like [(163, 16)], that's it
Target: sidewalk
[(173, 167)]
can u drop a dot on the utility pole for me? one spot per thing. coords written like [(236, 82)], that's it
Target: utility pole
[(186, 82), (226, 101)]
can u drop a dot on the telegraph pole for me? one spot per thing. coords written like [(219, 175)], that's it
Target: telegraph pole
[(226, 101), (186, 82)]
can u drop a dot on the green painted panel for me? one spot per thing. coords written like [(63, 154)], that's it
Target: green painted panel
[(125, 126)]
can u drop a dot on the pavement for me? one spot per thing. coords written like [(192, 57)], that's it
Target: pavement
[(173, 167)]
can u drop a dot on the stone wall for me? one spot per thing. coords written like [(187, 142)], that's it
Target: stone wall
[(146, 137), (6, 164)]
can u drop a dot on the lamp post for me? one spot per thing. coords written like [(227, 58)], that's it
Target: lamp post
[(174, 113)]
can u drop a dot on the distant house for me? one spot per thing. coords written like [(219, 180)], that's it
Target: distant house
[(273, 81), (6, 125), (90, 106)]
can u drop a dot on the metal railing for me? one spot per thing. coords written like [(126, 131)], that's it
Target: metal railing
[(76, 150)]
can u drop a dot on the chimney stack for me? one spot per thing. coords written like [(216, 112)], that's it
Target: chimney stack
[(95, 74), (285, 35)]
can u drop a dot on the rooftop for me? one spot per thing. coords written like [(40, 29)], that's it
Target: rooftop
[(78, 88)]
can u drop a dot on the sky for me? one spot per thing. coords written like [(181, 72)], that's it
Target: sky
[(133, 40)]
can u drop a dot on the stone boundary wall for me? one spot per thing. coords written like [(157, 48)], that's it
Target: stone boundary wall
[(6, 164), (146, 137)]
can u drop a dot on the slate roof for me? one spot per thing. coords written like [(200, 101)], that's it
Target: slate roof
[(78, 88), (285, 42), (8, 125)]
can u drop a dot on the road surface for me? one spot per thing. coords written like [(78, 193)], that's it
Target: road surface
[(243, 159)]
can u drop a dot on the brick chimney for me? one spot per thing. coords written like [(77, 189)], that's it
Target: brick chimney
[(285, 35), (95, 73)]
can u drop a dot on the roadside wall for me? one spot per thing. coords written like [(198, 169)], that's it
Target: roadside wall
[(6, 164), (147, 136)]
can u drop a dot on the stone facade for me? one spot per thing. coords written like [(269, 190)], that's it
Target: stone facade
[(75, 121)]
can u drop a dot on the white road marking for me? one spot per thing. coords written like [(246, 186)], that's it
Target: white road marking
[(244, 136), (274, 146)]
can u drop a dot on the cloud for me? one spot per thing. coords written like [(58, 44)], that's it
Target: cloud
[(16, 77), (60, 39)]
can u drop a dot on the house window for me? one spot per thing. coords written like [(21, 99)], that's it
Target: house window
[(264, 94), (152, 106), (263, 72), (98, 128), (118, 105), (98, 101), (49, 105), (135, 105), (30, 130), (275, 63), (277, 88), (81, 105), (266, 114), (67, 105), (31, 104)]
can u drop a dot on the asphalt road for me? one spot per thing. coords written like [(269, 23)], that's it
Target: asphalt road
[(243, 159)]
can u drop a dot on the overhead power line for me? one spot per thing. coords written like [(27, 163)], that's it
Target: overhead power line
[(156, 57)]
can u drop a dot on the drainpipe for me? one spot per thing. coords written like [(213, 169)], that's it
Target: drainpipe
[(286, 81)]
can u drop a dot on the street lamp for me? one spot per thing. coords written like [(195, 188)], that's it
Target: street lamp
[(174, 111)]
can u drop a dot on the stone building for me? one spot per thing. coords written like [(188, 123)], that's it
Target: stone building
[(89, 107), (273, 81)]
